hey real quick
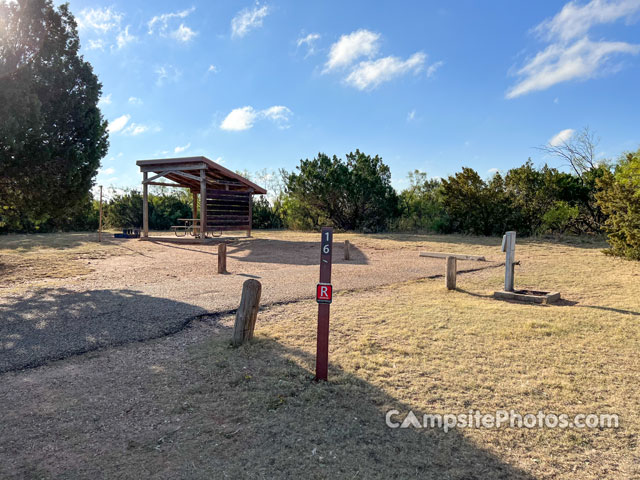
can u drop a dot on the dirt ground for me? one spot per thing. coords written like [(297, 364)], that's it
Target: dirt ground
[(130, 290), (187, 405)]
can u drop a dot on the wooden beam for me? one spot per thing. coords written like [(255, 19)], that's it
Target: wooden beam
[(163, 184), (203, 204), (168, 167), (145, 206), (454, 255)]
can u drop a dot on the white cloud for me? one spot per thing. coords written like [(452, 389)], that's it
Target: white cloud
[(107, 171), (118, 124), (309, 41), (239, 119), (100, 20), (371, 73), (124, 37), (351, 47), (411, 116), (571, 54), (95, 44), (212, 69), (106, 100), (558, 63), (433, 68), (247, 20), (576, 20), (161, 24), (135, 129), (561, 137), (243, 118), (166, 74), (183, 34), (135, 101), (179, 149), (493, 171)]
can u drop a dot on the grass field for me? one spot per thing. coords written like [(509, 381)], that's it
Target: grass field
[(254, 412)]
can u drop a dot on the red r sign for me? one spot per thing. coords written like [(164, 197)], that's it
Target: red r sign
[(324, 293)]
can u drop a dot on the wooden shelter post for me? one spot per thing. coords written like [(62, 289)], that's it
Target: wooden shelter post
[(195, 204), (145, 205), (203, 204), (250, 215)]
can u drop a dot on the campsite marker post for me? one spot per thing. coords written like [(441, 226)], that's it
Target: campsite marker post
[(509, 247), (324, 294)]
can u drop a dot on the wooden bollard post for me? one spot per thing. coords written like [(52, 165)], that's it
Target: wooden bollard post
[(347, 253), (222, 258), (451, 273), (247, 312)]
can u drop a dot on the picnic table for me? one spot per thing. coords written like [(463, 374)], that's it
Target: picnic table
[(189, 226)]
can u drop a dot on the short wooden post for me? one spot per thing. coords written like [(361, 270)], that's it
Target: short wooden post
[(451, 273), (509, 247), (247, 312), (347, 253), (222, 258)]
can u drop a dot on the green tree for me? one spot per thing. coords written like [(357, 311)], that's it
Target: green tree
[(619, 198), (420, 205), (475, 206), (351, 195), (52, 134)]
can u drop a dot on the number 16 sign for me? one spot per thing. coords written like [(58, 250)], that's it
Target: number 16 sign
[(324, 293)]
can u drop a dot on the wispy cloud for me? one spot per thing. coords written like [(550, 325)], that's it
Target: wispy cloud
[(212, 69), (100, 20), (165, 26), (124, 38), (118, 124), (570, 53), (104, 100), (561, 137), (361, 43), (433, 68), (135, 101), (179, 149), (243, 118), (167, 74), (309, 41), (247, 20), (370, 74), (411, 116)]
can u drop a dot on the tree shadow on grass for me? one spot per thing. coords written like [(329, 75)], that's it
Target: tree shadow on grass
[(291, 252), (218, 412), (260, 415), (54, 323)]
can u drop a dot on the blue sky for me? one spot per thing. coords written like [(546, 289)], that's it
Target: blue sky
[(426, 85)]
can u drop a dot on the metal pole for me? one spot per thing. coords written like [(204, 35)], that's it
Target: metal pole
[(100, 221), (509, 247)]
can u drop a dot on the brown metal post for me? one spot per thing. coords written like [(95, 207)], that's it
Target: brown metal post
[(195, 205), (322, 352)]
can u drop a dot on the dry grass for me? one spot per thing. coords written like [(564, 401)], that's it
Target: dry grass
[(209, 411), (32, 259), (417, 346)]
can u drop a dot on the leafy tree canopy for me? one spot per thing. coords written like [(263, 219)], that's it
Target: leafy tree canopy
[(52, 134)]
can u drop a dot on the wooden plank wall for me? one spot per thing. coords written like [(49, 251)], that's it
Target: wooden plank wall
[(228, 210)]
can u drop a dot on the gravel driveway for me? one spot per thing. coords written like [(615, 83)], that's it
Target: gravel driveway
[(162, 286)]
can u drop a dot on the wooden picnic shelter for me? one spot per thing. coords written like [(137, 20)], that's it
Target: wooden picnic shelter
[(225, 197)]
